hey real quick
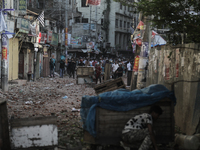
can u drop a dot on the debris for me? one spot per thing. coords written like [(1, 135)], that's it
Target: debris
[(69, 84), (74, 109), (29, 102), (65, 97)]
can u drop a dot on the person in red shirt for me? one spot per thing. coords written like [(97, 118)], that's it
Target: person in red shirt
[(98, 72), (94, 63)]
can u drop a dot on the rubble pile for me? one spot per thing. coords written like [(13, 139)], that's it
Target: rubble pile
[(51, 96)]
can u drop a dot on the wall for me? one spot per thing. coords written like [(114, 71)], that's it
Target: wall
[(182, 68), (13, 59)]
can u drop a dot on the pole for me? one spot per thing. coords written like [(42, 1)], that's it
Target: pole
[(4, 63), (96, 25), (90, 22), (66, 26), (35, 62)]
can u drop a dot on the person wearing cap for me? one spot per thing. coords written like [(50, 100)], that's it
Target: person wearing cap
[(81, 63)]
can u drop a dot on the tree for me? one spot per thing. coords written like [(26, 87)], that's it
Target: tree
[(181, 17)]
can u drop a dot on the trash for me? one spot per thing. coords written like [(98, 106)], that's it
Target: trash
[(65, 97), (69, 84), (46, 88), (55, 73), (29, 102), (74, 109)]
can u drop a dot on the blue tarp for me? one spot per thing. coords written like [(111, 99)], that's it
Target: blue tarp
[(121, 100)]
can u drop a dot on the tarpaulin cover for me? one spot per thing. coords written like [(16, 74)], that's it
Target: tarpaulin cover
[(121, 100)]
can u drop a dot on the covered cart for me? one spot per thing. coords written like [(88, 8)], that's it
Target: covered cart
[(105, 115)]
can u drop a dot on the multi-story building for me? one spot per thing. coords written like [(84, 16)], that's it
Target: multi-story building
[(120, 19)]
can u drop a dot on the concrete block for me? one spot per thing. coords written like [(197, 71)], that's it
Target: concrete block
[(18, 82)]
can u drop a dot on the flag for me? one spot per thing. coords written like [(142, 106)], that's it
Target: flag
[(132, 30), (140, 25), (153, 34), (93, 2), (41, 18), (3, 26)]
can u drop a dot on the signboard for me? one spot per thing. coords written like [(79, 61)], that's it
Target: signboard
[(49, 36), (33, 29), (22, 5), (66, 36), (43, 39), (10, 26), (76, 41), (45, 52), (87, 26), (23, 25), (54, 40), (136, 63)]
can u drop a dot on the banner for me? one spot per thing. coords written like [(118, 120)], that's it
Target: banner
[(4, 47), (93, 2), (134, 47), (49, 36), (54, 40), (136, 63), (45, 52), (76, 41), (140, 25), (66, 36), (139, 42), (43, 39)]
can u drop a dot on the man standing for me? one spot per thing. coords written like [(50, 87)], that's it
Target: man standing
[(139, 129), (120, 71), (129, 74), (98, 72), (62, 68), (115, 66)]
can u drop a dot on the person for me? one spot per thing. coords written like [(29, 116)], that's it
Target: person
[(139, 129), (94, 63), (62, 68), (119, 71), (52, 66), (98, 72), (87, 63), (115, 66), (72, 66), (81, 63), (129, 74)]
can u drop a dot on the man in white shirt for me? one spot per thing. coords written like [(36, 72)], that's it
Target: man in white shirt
[(129, 74), (115, 66)]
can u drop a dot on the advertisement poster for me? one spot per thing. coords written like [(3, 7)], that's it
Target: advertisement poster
[(43, 38), (136, 63), (93, 2), (88, 26), (143, 63), (22, 5), (76, 41), (54, 40), (4, 47), (49, 36), (134, 47), (144, 49), (139, 42), (90, 46), (45, 52)]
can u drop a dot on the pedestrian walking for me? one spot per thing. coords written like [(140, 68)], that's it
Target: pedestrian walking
[(62, 68), (129, 74), (52, 67), (72, 67), (115, 66)]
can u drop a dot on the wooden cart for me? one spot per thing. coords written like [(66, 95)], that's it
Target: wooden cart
[(109, 124)]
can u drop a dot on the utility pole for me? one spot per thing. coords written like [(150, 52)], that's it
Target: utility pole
[(4, 62), (90, 22), (66, 26), (96, 25)]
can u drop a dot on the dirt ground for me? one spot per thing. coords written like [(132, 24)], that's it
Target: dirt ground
[(51, 96)]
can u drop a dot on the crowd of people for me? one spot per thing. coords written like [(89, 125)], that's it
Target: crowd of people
[(119, 67)]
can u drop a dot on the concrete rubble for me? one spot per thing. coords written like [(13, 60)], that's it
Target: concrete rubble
[(45, 98)]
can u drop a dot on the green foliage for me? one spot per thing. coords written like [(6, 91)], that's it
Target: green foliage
[(175, 15)]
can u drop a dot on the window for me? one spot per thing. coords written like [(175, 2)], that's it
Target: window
[(124, 7), (116, 23), (120, 23), (101, 21), (69, 2), (128, 8), (83, 3), (85, 20), (124, 24), (128, 25), (120, 5), (77, 20)]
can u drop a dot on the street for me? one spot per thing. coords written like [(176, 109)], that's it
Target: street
[(50, 96)]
